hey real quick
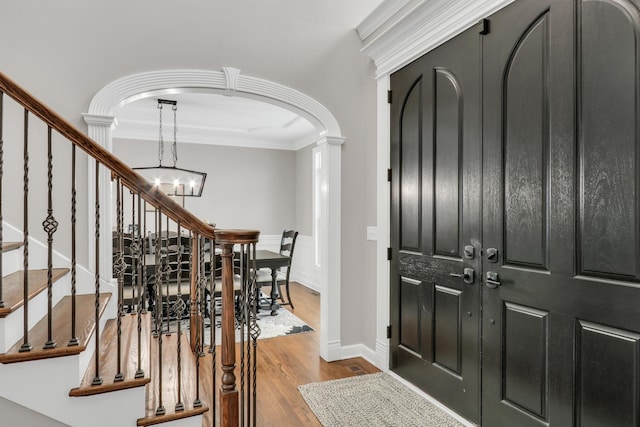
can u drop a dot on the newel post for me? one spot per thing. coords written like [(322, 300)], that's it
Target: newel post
[(229, 397)]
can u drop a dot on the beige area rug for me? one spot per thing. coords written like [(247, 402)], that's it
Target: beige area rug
[(372, 400)]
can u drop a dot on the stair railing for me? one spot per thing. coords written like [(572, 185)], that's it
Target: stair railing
[(166, 262)]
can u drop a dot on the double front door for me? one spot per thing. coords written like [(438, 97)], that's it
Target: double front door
[(515, 272)]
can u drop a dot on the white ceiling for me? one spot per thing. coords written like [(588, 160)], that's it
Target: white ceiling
[(208, 118)]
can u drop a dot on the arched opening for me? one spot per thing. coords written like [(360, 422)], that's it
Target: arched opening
[(101, 122)]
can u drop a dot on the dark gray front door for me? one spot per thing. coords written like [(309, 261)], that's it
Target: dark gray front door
[(561, 301), (539, 174), (435, 291)]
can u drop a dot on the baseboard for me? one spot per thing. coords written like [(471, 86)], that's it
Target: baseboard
[(360, 350)]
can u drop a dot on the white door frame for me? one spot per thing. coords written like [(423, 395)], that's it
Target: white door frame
[(101, 121)]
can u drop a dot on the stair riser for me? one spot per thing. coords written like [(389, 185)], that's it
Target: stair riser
[(11, 327), (47, 391), (11, 262)]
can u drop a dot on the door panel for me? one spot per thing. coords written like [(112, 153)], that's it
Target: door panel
[(608, 140), (435, 147)]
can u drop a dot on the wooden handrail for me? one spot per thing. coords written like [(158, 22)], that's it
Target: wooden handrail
[(129, 177)]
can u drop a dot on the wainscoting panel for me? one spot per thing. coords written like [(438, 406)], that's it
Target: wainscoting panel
[(302, 264)]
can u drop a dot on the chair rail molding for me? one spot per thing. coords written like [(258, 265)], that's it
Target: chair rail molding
[(229, 81), (399, 31)]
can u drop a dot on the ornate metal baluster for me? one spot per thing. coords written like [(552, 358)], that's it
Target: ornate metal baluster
[(254, 329), (158, 309), (139, 283), (167, 277), (74, 338), (120, 268), (197, 403), (242, 321), (178, 309), (1, 175), (25, 249), (97, 380), (146, 247), (212, 346), (50, 226)]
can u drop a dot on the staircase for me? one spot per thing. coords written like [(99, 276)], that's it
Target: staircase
[(78, 349)]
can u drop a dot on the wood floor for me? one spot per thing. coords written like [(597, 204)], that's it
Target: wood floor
[(286, 362)]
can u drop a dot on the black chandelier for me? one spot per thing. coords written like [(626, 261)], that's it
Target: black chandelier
[(172, 180)]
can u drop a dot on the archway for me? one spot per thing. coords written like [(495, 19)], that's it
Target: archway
[(101, 121)]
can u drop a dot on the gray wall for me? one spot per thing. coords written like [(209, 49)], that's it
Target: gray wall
[(65, 52), (14, 415), (247, 188)]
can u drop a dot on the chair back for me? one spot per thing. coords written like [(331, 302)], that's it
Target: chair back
[(288, 242)]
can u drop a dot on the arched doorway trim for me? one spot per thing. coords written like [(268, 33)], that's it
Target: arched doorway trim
[(229, 81)]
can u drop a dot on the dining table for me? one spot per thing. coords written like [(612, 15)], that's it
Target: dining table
[(273, 260)]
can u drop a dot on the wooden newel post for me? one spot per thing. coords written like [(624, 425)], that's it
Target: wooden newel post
[(229, 397)]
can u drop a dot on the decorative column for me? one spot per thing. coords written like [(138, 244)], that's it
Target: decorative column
[(330, 244), (99, 129)]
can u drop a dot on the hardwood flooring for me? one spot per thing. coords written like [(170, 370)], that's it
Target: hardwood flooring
[(286, 362)]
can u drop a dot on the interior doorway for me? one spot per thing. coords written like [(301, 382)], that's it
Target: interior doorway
[(101, 121)]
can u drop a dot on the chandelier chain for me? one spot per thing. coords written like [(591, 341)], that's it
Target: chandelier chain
[(174, 147), (160, 138)]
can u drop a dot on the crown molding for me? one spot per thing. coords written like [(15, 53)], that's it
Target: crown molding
[(404, 37), (379, 16)]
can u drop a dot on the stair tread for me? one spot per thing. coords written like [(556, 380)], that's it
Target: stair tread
[(108, 357), (13, 291), (10, 246), (169, 381), (61, 320)]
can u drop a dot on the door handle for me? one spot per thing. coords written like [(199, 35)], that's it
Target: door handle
[(492, 280), (468, 275)]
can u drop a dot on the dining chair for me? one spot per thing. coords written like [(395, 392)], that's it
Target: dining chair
[(264, 277)]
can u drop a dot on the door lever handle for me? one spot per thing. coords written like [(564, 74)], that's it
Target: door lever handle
[(468, 276), (492, 280)]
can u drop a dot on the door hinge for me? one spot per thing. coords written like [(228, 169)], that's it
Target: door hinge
[(484, 26), (388, 331), (389, 97), (388, 254), (389, 175)]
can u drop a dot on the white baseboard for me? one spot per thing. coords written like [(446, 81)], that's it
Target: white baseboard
[(359, 350)]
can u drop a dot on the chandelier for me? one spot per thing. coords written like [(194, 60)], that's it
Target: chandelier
[(172, 180)]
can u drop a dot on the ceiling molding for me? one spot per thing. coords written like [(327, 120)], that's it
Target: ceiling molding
[(405, 37), (379, 16), (143, 85)]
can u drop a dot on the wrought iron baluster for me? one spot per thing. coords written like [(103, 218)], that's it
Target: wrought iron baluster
[(146, 247), (139, 283), (74, 338), (158, 309), (212, 346), (178, 309), (121, 267), (197, 403), (97, 380), (167, 277), (25, 249), (254, 329), (242, 321), (50, 226)]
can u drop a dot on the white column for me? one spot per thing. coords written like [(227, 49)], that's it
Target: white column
[(383, 226), (99, 129), (330, 244)]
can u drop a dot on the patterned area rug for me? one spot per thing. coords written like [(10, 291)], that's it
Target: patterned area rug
[(372, 400), (284, 323)]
